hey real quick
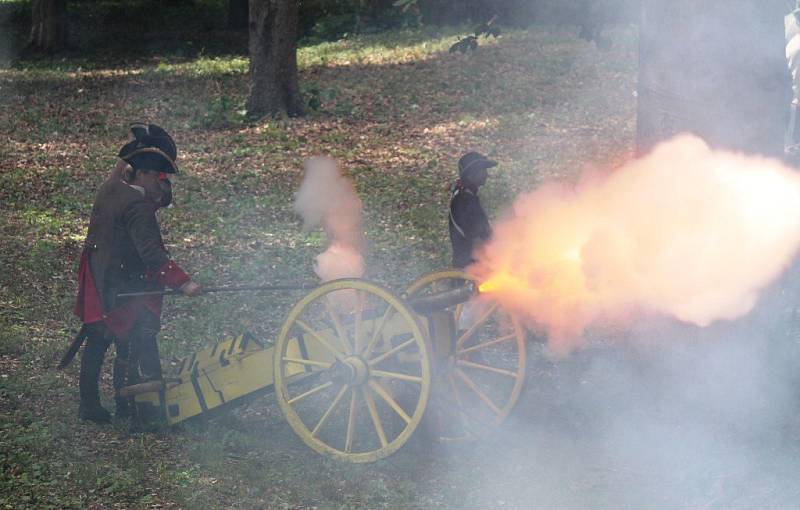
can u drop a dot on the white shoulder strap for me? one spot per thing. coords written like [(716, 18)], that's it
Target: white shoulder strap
[(452, 219)]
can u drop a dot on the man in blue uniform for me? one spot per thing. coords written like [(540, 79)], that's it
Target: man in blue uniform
[(469, 226)]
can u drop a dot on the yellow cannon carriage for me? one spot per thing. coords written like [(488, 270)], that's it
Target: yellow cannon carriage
[(356, 369)]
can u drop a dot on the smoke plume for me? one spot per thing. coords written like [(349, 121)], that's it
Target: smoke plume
[(686, 231), (327, 199)]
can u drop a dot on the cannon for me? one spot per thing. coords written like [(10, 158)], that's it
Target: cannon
[(356, 368)]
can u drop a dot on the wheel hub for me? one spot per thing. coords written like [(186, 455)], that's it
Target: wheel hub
[(353, 370)]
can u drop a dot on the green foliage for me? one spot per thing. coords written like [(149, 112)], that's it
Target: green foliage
[(312, 95), (333, 27), (15, 12), (136, 17), (23, 469), (332, 21), (520, 13), (410, 10), (406, 5)]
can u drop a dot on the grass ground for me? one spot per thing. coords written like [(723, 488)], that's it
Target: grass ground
[(396, 110)]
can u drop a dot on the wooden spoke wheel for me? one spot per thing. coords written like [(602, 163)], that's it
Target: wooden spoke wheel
[(479, 377), (352, 370)]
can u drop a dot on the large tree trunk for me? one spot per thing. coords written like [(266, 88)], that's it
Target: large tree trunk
[(48, 27), (273, 58), (237, 14), (715, 69)]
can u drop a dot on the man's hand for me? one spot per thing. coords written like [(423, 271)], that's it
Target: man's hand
[(192, 289)]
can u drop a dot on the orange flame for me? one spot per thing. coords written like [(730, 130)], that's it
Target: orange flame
[(685, 231)]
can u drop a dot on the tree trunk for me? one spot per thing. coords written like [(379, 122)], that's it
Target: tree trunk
[(273, 58), (48, 27), (715, 69), (237, 14)]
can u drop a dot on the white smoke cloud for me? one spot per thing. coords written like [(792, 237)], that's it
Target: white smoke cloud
[(686, 231), (327, 199)]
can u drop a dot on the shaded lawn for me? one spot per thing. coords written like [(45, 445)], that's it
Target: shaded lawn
[(396, 110)]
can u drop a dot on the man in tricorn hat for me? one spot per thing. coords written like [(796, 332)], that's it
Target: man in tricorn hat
[(469, 226), (124, 253)]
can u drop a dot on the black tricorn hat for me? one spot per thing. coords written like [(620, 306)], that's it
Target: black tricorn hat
[(473, 161), (151, 149)]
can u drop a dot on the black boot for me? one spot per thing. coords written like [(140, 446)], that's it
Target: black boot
[(122, 378), (91, 364), (145, 366), (124, 409), (93, 411)]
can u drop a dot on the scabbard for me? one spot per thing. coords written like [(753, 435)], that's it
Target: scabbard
[(74, 347)]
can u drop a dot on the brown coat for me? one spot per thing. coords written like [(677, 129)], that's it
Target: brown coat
[(124, 246)]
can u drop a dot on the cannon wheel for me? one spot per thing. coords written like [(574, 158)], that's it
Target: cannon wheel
[(474, 396), (343, 402)]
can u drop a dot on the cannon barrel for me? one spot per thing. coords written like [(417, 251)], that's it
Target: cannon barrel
[(441, 300)]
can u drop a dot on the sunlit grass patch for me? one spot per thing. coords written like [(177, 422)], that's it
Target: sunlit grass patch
[(205, 66), (397, 47), (394, 48), (370, 49)]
